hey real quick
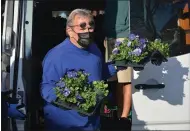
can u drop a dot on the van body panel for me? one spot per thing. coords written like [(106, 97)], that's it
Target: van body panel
[(167, 108)]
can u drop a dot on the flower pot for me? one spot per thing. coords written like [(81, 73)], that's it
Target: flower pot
[(120, 63), (125, 63), (140, 65), (137, 65)]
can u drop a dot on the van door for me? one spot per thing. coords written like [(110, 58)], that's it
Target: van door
[(16, 50), (6, 41)]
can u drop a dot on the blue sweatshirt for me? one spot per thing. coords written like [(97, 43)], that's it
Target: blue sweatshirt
[(67, 56)]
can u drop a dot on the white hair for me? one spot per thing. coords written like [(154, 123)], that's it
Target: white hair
[(80, 12)]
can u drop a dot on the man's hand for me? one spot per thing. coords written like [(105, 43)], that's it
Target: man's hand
[(157, 58)]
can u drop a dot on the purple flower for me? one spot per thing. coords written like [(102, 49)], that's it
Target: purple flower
[(117, 43), (60, 84), (142, 46), (137, 52), (72, 74), (66, 92), (129, 43), (132, 37), (115, 51), (78, 96), (142, 41)]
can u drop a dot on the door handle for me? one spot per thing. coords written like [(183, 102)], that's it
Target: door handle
[(147, 86)]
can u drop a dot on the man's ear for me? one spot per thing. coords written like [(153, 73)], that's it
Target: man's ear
[(69, 32)]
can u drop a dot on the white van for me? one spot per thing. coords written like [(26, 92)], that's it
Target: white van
[(27, 36)]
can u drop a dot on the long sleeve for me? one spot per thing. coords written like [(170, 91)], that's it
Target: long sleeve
[(52, 72), (108, 70)]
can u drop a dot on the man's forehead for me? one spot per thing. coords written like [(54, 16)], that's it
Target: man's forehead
[(79, 18)]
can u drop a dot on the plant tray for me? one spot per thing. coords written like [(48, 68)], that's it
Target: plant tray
[(124, 63), (67, 106)]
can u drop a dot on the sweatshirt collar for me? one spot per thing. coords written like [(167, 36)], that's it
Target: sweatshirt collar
[(84, 50)]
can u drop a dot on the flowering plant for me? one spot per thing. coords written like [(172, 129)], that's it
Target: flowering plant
[(158, 45), (133, 49), (74, 91)]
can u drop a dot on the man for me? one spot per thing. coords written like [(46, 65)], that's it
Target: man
[(117, 27), (76, 52)]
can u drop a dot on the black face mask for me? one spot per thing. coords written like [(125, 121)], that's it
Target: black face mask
[(85, 39)]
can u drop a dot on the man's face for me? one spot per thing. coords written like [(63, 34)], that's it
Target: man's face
[(81, 25)]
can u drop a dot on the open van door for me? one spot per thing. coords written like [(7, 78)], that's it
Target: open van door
[(16, 54), (6, 84), (11, 44)]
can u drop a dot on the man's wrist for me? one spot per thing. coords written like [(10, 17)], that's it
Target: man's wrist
[(123, 116)]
